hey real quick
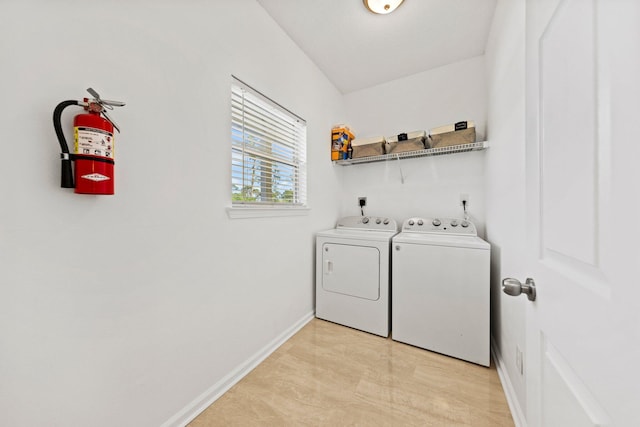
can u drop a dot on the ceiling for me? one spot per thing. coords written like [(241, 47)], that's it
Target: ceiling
[(357, 49)]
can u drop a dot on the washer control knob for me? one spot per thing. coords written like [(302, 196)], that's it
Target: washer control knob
[(365, 220), (436, 222), (378, 220), (465, 224), (411, 222), (454, 222), (420, 222), (386, 221)]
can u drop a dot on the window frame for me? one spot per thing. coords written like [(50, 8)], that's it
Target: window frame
[(274, 145)]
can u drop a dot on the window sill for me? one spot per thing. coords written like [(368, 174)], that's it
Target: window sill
[(237, 212)]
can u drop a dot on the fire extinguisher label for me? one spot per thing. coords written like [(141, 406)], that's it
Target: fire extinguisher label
[(96, 177), (95, 142)]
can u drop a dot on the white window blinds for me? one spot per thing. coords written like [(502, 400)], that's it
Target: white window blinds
[(268, 151)]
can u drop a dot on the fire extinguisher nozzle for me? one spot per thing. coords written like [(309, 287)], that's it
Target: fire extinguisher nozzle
[(66, 177)]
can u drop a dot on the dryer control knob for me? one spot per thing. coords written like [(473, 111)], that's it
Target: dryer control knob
[(454, 222), (378, 221), (365, 220), (386, 221), (411, 222), (420, 222), (436, 222), (465, 224)]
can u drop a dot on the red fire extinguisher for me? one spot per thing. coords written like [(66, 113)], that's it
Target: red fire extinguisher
[(93, 148)]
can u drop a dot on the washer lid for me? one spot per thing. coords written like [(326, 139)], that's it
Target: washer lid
[(472, 242)]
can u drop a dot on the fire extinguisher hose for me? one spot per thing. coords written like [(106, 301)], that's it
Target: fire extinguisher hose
[(66, 177)]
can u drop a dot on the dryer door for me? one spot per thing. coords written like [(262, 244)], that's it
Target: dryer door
[(351, 270)]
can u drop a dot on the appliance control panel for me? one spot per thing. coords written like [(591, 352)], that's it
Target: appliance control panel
[(375, 223), (452, 226)]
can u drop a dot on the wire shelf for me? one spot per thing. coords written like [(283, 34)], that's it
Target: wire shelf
[(476, 146)]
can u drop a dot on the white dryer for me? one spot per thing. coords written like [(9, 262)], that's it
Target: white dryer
[(352, 273), (441, 288)]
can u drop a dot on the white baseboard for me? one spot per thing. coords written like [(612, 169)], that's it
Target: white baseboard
[(202, 402), (512, 400)]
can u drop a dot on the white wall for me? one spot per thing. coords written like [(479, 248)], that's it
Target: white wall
[(432, 185), (122, 310), (505, 183)]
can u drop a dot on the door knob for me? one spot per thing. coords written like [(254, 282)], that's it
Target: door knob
[(514, 288)]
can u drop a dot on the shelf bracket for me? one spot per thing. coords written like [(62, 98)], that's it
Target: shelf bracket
[(400, 168)]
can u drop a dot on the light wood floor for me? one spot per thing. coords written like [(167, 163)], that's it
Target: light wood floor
[(330, 375)]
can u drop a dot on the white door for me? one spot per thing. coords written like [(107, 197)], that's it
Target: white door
[(351, 270), (583, 194)]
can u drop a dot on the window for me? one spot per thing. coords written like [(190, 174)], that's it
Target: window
[(268, 151)]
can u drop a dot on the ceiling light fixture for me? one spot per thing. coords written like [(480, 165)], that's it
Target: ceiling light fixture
[(382, 7)]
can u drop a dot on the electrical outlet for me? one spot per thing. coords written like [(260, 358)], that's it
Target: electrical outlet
[(464, 197), (362, 202), (519, 361)]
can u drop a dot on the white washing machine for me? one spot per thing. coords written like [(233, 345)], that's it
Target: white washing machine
[(441, 289), (352, 273)]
